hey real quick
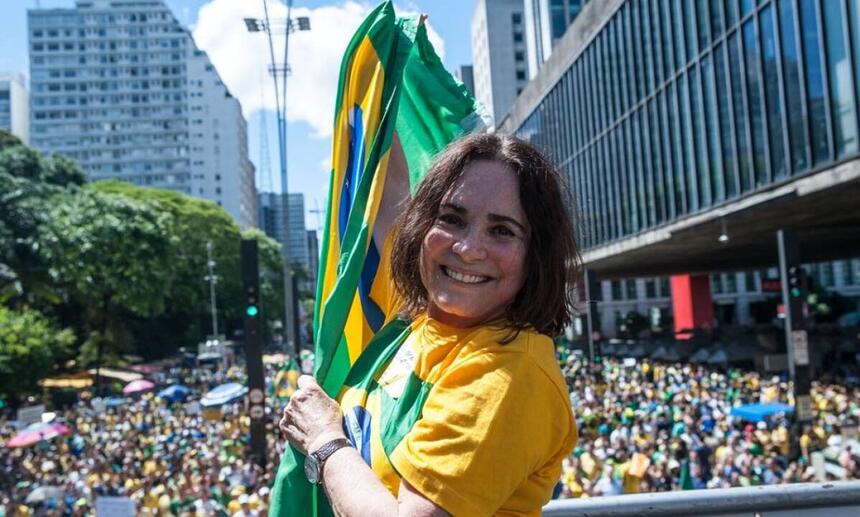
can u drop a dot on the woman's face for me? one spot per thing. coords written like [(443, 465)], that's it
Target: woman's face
[(473, 256)]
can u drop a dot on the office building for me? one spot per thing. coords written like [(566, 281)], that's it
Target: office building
[(546, 21), (297, 238), (284, 225), (690, 132), (15, 106), (498, 54), (466, 75), (120, 87)]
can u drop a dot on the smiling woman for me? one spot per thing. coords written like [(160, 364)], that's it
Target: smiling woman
[(466, 411)]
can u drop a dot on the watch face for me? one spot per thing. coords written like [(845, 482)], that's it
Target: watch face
[(312, 469)]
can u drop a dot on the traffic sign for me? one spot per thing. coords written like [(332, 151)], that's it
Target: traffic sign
[(803, 408), (800, 347), (257, 412)]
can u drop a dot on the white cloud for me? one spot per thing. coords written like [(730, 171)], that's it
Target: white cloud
[(243, 58)]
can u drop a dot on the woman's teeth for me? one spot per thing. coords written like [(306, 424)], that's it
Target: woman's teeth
[(461, 277)]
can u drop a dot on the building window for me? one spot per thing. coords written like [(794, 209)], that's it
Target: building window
[(516, 18), (650, 288), (825, 274), (749, 282), (616, 289), (518, 37), (731, 283), (631, 288), (521, 75), (717, 283), (519, 56)]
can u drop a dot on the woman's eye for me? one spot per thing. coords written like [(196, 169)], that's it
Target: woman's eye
[(503, 231), (450, 219)]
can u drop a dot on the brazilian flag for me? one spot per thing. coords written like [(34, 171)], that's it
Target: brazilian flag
[(390, 80), (286, 381)]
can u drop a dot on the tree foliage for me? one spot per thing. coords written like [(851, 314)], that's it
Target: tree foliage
[(29, 343), (125, 267)]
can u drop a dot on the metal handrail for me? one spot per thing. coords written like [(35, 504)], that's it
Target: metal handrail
[(714, 502)]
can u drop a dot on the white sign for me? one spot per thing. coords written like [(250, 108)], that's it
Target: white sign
[(30, 414), (629, 362), (803, 407), (115, 507), (257, 412), (819, 465), (256, 396), (192, 408), (800, 347)]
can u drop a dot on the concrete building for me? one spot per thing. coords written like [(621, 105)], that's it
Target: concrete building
[(120, 87), (498, 54), (313, 255), (678, 123), (297, 237), (546, 22), (284, 225), (466, 75), (270, 215), (15, 106)]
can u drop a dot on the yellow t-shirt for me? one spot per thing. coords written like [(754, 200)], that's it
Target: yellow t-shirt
[(494, 427)]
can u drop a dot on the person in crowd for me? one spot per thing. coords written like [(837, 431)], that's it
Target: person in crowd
[(483, 262)]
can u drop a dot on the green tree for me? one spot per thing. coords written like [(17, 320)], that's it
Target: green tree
[(187, 317), (112, 254), (29, 343)]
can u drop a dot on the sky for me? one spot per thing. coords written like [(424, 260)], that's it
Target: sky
[(242, 59)]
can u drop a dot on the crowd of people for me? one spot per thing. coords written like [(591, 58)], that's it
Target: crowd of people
[(644, 427), (169, 458), (648, 427)]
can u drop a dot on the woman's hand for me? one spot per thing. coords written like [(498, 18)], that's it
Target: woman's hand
[(311, 418)]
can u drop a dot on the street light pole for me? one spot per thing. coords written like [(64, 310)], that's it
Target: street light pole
[(267, 25), (212, 280)]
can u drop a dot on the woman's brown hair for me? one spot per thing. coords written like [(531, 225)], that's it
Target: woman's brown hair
[(552, 262)]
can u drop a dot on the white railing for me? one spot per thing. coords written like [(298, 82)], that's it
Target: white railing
[(835, 499)]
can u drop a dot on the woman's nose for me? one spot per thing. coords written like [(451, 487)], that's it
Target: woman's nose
[(470, 246)]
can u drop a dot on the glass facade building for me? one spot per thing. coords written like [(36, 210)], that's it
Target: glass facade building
[(675, 107)]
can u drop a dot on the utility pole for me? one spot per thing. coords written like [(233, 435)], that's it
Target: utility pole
[(280, 72), (796, 336), (254, 350), (212, 281), (592, 296)]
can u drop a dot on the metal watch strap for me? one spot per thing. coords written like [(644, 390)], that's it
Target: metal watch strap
[(329, 448)]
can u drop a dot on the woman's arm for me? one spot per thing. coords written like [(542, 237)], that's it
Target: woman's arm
[(312, 419), (395, 193)]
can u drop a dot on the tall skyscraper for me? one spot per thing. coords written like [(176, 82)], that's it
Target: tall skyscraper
[(15, 106), (297, 239), (270, 215), (313, 255), (546, 21), (284, 225), (120, 87), (466, 75), (498, 54)]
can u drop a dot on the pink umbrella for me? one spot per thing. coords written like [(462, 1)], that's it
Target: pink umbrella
[(137, 386), (35, 433)]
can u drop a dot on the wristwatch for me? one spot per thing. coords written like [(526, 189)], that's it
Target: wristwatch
[(314, 461)]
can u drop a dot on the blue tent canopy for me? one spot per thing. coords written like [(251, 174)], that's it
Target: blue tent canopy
[(760, 412), (175, 392)]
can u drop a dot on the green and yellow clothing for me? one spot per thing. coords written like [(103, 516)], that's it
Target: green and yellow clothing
[(487, 425)]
